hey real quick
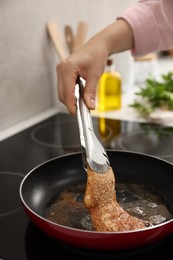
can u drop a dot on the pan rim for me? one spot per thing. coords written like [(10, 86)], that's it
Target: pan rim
[(147, 229)]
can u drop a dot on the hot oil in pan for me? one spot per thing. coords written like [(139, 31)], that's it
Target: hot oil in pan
[(68, 208)]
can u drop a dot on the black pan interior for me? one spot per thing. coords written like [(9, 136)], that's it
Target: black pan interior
[(46, 181)]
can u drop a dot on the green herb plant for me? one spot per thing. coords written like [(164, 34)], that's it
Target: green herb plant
[(154, 94)]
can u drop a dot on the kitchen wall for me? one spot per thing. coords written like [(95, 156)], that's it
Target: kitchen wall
[(27, 58)]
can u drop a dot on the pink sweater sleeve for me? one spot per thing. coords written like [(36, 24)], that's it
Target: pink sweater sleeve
[(152, 25)]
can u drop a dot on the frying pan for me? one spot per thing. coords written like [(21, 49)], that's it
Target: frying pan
[(48, 179)]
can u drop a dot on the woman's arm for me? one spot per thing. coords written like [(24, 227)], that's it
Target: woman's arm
[(151, 22)]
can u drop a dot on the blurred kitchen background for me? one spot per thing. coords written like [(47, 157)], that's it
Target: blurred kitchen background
[(28, 59)]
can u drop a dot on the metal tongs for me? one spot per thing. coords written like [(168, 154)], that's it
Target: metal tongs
[(93, 153)]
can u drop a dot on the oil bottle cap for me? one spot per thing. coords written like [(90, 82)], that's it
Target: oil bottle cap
[(109, 62)]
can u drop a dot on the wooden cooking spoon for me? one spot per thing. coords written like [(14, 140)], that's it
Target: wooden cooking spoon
[(80, 36), (69, 37), (55, 36)]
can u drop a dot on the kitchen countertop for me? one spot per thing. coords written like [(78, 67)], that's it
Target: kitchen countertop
[(165, 64), (27, 123), (128, 113)]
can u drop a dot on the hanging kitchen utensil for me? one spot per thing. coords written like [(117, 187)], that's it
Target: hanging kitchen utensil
[(69, 37), (55, 36), (80, 36)]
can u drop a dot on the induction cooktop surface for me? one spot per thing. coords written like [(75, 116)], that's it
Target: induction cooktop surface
[(56, 136)]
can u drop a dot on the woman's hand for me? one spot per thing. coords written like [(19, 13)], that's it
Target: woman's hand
[(89, 63)]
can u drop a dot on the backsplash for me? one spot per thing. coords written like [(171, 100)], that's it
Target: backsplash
[(27, 58)]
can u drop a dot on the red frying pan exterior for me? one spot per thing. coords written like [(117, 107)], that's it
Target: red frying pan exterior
[(46, 180)]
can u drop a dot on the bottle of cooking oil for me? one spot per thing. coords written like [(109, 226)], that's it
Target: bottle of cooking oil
[(109, 89)]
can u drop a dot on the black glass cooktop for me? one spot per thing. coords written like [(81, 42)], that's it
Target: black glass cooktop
[(19, 238)]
